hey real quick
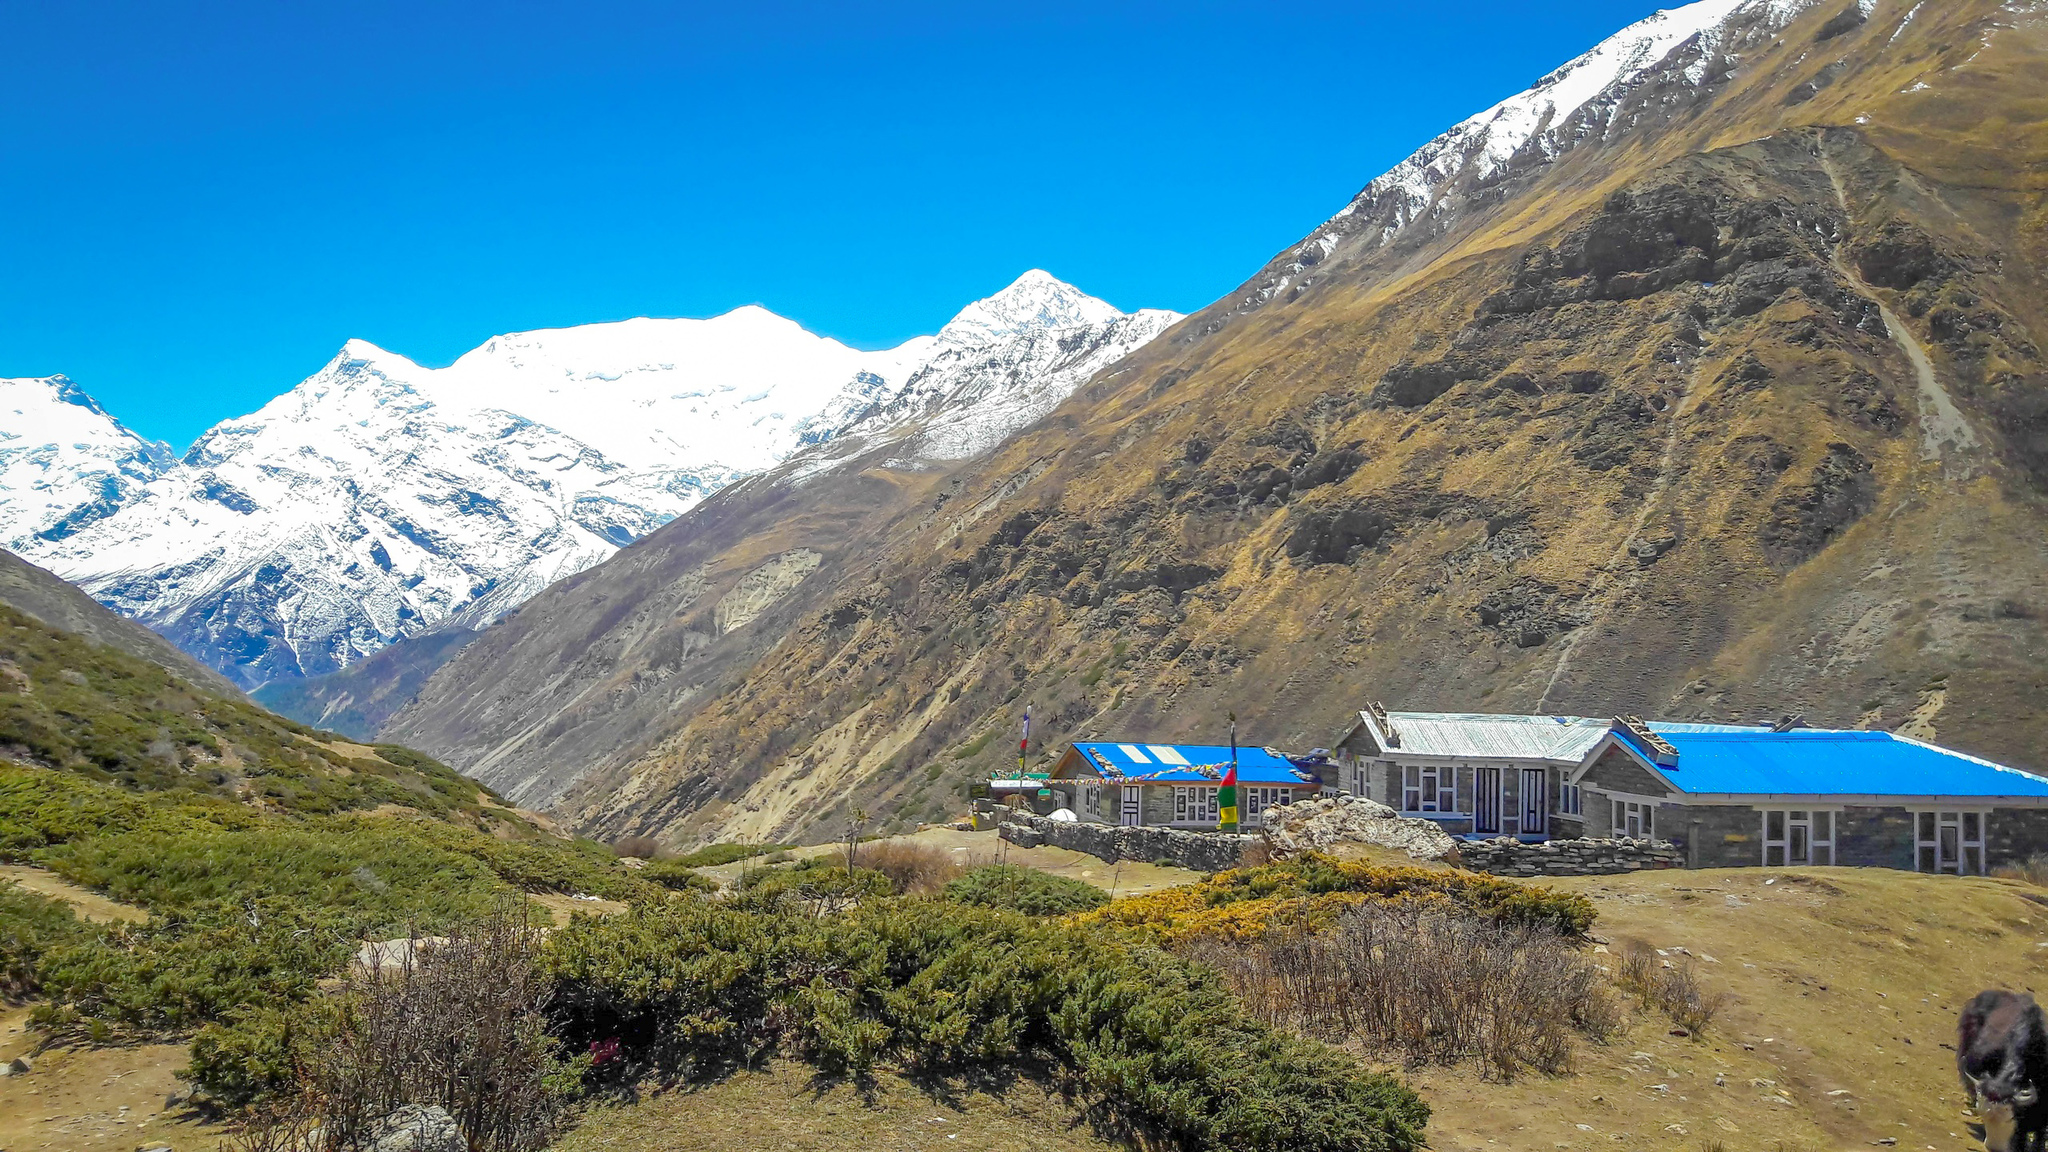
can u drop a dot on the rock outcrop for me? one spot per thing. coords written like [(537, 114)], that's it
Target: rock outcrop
[(1324, 823)]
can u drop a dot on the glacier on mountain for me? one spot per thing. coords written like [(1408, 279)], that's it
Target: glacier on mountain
[(379, 499)]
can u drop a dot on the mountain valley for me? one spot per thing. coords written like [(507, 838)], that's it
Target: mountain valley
[(1675, 385)]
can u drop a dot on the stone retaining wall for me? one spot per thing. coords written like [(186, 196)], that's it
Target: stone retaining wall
[(1509, 857), (1201, 851)]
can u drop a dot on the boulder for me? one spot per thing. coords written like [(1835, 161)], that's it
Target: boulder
[(394, 954), (1320, 824), (417, 1128)]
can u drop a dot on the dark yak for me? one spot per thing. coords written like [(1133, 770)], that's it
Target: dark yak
[(2002, 1054)]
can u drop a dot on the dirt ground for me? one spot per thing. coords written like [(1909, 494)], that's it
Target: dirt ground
[(787, 1108), (93, 1099), (1844, 986), (1126, 878)]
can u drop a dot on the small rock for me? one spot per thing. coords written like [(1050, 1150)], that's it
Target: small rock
[(416, 1128), (18, 1066)]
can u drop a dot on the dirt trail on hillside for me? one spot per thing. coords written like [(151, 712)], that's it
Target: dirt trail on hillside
[(1945, 434), (89, 904)]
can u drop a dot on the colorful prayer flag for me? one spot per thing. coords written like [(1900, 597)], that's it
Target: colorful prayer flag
[(1226, 796)]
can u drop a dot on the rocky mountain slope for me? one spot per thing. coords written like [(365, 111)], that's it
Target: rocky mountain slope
[(1702, 380), (380, 499), (52, 602)]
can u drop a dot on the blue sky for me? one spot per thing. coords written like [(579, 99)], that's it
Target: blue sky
[(200, 202)]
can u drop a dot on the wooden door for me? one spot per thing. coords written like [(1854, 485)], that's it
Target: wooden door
[(1133, 804), (1535, 802), (1486, 799)]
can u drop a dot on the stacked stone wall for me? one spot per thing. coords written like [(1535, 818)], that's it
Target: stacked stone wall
[(1510, 857), (1201, 851)]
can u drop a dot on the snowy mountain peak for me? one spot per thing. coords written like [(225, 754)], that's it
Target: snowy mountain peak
[(1035, 300), (64, 463), (377, 498), (1688, 47)]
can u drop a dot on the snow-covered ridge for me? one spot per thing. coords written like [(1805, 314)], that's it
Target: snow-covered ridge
[(64, 462), (379, 498), (1691, 45)]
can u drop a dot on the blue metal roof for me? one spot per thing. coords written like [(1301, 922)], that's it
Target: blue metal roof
[(1720, 759), (1141, 763)]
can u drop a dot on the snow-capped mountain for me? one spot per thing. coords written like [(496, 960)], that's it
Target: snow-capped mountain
[(1669, 59), (64, 462), (379, 498), (999, 365)]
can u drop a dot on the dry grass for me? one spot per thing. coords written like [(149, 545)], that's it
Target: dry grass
[(1671, 986), (1425, 986), (912, 869), (2033, 870)]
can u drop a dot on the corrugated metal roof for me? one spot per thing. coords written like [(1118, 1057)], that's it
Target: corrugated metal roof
[(1142, 763), (1717, 759), (1484, 736)]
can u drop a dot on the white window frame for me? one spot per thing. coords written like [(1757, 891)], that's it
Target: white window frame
[(1196, 804), (1819, 826), (1645, 812), (1429, 788), (1570, 800), (1928, 825), (1259, 797)]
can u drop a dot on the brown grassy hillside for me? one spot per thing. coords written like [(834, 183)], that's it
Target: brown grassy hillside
[(1734, 408)]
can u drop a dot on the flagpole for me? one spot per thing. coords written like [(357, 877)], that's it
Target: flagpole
[(1226, 796)]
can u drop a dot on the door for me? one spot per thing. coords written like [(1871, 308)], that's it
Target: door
[(1486, 799), (1535, 802), (1132, 804)]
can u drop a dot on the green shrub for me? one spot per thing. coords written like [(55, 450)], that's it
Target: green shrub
[(690, 987), (676, 875), (1025, 890), (169, 976), (30, 926), (251, 908), (811, 884)]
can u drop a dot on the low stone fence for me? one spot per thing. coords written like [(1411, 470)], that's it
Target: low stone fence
[(1201, 851), (1509, 857)]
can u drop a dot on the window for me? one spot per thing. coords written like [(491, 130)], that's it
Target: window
[(1569, 800), (1429, 788), (1635, 820), (1950, 842), (1798, 836), (1195, 804), (1258, 799)]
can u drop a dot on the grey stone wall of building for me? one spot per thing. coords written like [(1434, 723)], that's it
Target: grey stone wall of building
[(1869, 837), (1714, 835), (1201, 851), (2013, 834), (1509, 857)]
